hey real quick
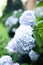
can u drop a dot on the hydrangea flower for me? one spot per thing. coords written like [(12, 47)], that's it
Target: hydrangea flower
[(16, 64), (11, 47), (23, 40), (28, 18), (11, 21), (41, 14), (6, 60), (39, 11), (33, 55)]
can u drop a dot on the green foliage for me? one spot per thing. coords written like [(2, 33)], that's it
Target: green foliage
[(38, 34), (25, 64), (15, 57), (3, 40), (40, 4)]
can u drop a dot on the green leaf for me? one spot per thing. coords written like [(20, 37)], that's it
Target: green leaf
[(25, 64), (40, 4), (38, 39), (38, 34)]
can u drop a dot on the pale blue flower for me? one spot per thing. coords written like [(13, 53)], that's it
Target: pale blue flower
[(28, 18), (16, 64), (33, 55), (39, 11), (6, 60), (11, 21), (23, 41), (11, 46)]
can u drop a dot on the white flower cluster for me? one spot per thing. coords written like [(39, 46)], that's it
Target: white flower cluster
[(11, 47), (6, 60), (28, 18), (16, 64), (11, 21), (23, 41), (39, 11), (33, 55)]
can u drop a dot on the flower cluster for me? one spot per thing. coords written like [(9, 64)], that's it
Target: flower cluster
[(12, 20), (39, 11), (23, 40), (6, 60), (33, 55), (28, 18)]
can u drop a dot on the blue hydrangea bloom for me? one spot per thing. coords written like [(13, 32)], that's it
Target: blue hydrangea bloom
[(33, 55), (11, 21), (23, 40), (6, 60), (28, 18)]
